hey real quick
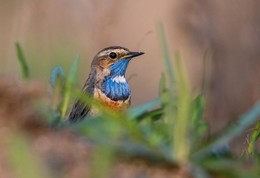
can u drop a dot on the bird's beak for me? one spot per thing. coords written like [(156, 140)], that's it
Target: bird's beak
[(133, 54)]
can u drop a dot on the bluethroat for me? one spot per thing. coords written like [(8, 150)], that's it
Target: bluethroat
[(106, 81)]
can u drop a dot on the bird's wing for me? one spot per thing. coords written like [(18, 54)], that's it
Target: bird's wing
[(79, 109)]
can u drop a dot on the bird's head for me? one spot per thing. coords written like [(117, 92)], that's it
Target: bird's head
[(114, 60)]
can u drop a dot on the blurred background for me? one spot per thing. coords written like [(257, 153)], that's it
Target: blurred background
[(220, 37)]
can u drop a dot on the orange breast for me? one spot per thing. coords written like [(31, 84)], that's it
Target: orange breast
[(114, 105)]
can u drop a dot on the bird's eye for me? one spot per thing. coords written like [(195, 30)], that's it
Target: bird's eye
[(112, 55)]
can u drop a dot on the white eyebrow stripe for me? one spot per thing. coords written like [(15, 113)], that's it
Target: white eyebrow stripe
[(119, 79)]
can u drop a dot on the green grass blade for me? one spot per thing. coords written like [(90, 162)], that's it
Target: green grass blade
[(198, 106), (57, 75), (198, 126), (139, 110), (69, 87), (254, 136), (166, 58), (183, 116), (231, 132), (167, 88), (57, 82), (21, 57)]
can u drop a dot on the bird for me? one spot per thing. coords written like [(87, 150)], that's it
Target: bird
[(106, 82)]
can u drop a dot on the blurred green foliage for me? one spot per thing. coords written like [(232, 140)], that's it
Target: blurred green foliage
[(169, 129), (24, 66), (24, 163)]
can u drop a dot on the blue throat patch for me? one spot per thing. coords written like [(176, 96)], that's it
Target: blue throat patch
[(114, 89)]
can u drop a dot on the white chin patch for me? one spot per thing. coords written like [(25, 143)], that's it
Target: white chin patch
[(119, 79)]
